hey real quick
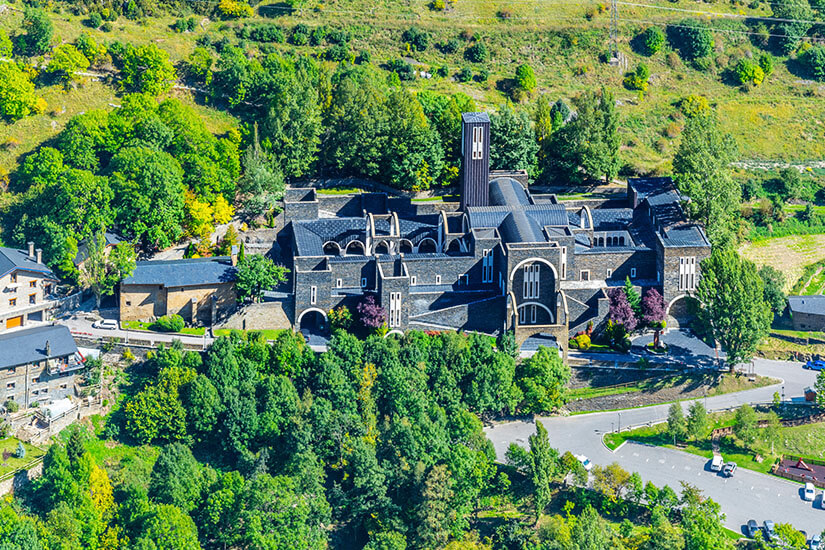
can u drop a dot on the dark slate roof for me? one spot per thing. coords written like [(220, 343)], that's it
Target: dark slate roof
[(549, 214), (814, 305), (508, 192), (518, 227), (486, 216), (648, 186), (684, 235), (310, 235), (188, 272), (612, 218), (475, 117), (24, 346), (83, 248), (12, 259)]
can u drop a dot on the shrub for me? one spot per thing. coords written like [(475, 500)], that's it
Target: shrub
[(127, 355), (11, 405), (694, 106), (363, 57), (416, 38), (813, 59), (443, 71), (526, 78), (652, 39), (232, 9), (504, 14), (438, 5), (637, 80), (748, 71), (340, 318), (450, 46), (267, 33), (403, 69), (299, 39), (337, 52), (692, 38), (317, 36), (107, 26), (583, 341), (766, 63), (95, 20), (20, 452), (477, 53), (168, 323), (573, 344), (464, 75), (482, 76), (338, 36)]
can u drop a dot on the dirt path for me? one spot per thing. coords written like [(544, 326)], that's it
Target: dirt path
[(787, 254)]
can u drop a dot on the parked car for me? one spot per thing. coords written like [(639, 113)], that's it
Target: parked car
[(809, 492), (770, 529), (815, 364), (585, 462), (752, 528), (107, 324), (815, 543), (716, 463), (729, 469)]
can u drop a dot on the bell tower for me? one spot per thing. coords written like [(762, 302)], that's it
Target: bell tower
[(475, 160)]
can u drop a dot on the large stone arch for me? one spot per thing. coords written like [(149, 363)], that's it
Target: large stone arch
[(454, 247), (383, 246), (405, 246), (309, 309), (550, 313), (677, 312), (533, 260), (396, 332), (427, 240)]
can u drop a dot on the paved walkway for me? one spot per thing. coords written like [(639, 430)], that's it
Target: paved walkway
[(748, 495)]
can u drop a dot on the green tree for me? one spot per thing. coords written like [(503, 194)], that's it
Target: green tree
[(39, 31), (590, 142), (176, 477), (633, 298), (434, 512), (67, 60), (652, 39), (814, 60), (387, 540), (701, 172), (543, 467), (203, 405), (17, 531), (17, 98), (796, 16), (774, 281), (590, 531), (526, 78), (692, 38), (513, 143), (702, 522), (256, 274), (820, 388), (697, 420), (676, 425), (542, 380), (6, 47), (149, 190), (663, 534), (262, 185), (733, 304), (167, 528), (745, 424), (103, 269), (790, 536), (147, 69)]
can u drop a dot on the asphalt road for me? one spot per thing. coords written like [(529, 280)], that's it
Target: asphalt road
[(748, 495)]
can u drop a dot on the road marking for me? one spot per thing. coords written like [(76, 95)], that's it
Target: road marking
[(661, 461), (687, 468)]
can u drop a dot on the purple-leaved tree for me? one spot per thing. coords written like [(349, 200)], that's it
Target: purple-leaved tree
[(371, 314), (653, 313), (620, 311)]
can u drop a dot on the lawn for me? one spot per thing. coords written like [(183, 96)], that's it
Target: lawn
[(13, 464), (806, 441), (787, 254), (140, 325), (270, 334)]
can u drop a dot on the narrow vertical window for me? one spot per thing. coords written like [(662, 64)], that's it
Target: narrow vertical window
[(313, 295)]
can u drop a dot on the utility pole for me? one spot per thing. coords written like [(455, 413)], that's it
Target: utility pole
[(614, 33)]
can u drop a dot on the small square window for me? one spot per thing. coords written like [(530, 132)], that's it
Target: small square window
[(32, 298), (128, 302), (609, 273), (13, 302), (413, 280), (339, 283), (584, 275), (10, 386), (63, 386), (438, 279), (33, 284), (363, 282), (632, 271)]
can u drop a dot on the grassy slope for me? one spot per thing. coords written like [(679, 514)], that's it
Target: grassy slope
[(788, 254), (780, 120)]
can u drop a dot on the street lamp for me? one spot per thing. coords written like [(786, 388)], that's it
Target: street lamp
[(783, 392), (620, 421)]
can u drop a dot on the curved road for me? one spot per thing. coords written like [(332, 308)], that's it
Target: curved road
[(748, 495)]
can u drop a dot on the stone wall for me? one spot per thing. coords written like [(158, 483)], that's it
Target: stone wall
[(808, 321), (21, 479), (619, 262), (142, 302)]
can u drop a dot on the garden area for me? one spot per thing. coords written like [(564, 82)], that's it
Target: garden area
[(757, 440), (171, 323), (13, 459)]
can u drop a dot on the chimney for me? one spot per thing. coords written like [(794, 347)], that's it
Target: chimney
[(475, 161), (233, 254), (31, 250), (39, 258), (48, 349)]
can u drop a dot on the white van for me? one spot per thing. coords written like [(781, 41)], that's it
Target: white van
[(107, 324), (716, 463)]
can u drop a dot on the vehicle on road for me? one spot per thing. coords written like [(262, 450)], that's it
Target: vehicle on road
[(809, 492), (815, 543), (729, 469), (585, 462), (716, 463), (770, 529), (752, 528), (814, 364), (107, 324)]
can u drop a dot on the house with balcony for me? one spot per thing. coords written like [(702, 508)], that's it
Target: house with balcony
[(38, 364), (26, 286)]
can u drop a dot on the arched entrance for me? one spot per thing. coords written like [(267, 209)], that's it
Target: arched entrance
[(331, 248), (680, 312), (427, 246), (312, 322), (454, 247), (533, 342), (382, 247), (405, 246), (355, 248)]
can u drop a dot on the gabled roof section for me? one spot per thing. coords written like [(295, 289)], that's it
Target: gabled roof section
[(21, 347), (12, 259), (475, 117), (648, 186), (813, 305), (187, 272), (310, 235), (508, 192)]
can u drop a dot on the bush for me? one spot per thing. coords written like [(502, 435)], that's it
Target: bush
[(232, 9), (526, 78), (107, 26), (583, 342), (573, 343), (692, 38), (482, 76), (403, 69), (443, 71), (11, 405), (766, 63), (168, 323), (317, 36), (337, 52), (637, 80), (416, 38), (363, 57), (747, 71), (338, 36), (464, 75), (95, 20), (477, 53), (694, 106), (450, 46), (267, 33), (652, 39), (813, 59)]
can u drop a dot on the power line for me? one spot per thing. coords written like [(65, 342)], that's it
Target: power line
[(727, 31), (722, 15)]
